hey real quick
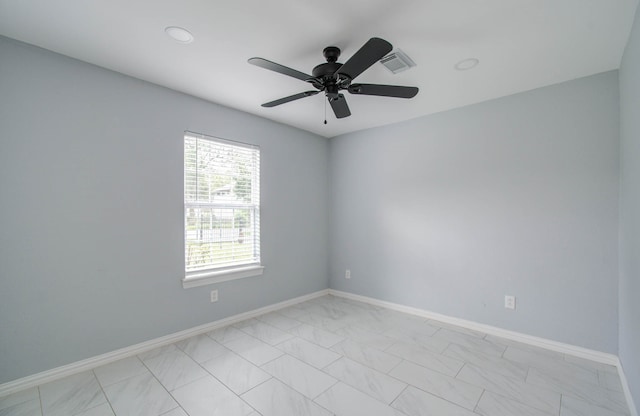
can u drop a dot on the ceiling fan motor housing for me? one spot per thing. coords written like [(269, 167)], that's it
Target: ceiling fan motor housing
[(326, 70), (325, 73)]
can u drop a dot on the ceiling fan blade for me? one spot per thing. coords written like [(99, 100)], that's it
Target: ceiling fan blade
[(383, 90), (370, 53), (339, 106), (272, 66), (290, 98)]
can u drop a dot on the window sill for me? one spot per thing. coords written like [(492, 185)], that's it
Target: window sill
[(212, 277)]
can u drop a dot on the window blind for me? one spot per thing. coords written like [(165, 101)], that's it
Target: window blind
[(221, 203)]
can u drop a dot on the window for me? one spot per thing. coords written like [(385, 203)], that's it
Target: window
[(221, 210)]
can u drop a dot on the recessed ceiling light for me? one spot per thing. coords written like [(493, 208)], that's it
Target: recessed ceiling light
[(467, 64), (179, 34)]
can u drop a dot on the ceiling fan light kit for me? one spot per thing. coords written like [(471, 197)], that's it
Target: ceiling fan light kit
[(332, 77)]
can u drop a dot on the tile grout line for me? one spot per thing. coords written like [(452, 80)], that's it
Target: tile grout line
[(478, 402), (216, 378), (40, 401), (560, 407), (163, 386), (400, 394), (103, 392)]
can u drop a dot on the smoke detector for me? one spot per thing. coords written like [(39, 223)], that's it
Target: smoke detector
[(397, 61)]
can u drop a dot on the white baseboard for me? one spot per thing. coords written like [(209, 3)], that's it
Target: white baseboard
[(601, 357), (593, 355), (627, 390), (93, 362)]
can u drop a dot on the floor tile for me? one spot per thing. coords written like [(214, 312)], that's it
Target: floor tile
[(486, 361), (426, 358), (438, 384), (24, 408), (120, 370), (416, 327), (225, 334), (299, 376), (424, 340), (610, 381), (175, 369), (556, 366), (591, 365), (378, 321), (179, 412), (344, 400), (201, 348), (514, 388), (253, 349), (363, 336), (376, 359), (156, 352), (333, 311), (308, 352), (101, 410), (415, 402), (398, 320), (329, 324), (492, 404), (139, 395), (576, 407), (208, 397), (235, 372), (274, 398), (265, 332), (19, 397), (293, 312), (316, 335), (71, 395), (456, 328), (522, 346), (471, 342), (587, 392), (374, 383), (279, 321)]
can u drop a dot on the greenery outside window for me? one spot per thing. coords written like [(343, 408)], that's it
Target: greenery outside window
[(221, 210)]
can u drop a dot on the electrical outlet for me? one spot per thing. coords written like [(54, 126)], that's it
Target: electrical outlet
[(214, 295), (347, 274), (510, 302)]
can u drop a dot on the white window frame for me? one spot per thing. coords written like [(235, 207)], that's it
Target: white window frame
[(217, 274)]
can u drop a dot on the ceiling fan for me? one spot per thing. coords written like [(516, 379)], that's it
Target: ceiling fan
[(332, 77)]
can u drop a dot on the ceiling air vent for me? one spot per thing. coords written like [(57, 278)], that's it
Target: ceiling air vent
[(397, 61)]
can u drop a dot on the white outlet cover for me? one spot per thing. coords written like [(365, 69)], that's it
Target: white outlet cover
[(214, 295), (347, 274), (510, 302)]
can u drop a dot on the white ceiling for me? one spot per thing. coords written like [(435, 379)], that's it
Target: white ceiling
[(521, 45)]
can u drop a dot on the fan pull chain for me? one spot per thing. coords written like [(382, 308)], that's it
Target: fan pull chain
[(325, 111)]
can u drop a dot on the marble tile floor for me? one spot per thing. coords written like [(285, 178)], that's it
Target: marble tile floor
[(332, 356)]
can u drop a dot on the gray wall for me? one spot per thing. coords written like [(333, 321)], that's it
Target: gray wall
[(517, 196), (91, 211), (629, 315)]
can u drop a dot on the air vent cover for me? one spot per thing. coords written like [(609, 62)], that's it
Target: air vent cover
[(397, 61)]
